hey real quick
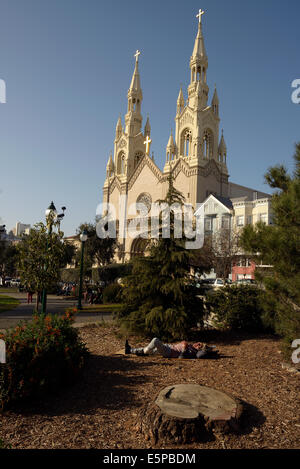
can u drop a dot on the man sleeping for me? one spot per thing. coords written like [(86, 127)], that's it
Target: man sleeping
[(180, 350)]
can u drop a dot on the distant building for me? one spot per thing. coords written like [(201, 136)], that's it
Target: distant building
[(21, 229), (232, 214)]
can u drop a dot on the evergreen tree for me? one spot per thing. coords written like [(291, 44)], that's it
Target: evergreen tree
[(158, 298), (279, 246)]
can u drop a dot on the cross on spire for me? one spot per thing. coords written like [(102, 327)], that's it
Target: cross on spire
[(147, 143), (136, 55), (201, 12)]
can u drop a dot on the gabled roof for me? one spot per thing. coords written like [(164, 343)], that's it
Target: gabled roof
[(225, 201), (227, 204)]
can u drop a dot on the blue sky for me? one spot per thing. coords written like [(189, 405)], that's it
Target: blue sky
[(67, 65)]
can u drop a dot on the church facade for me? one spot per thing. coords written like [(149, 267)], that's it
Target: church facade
[(196, 154)]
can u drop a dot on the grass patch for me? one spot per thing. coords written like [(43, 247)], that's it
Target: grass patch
[(9, 290), (108, 308), (7, 303)]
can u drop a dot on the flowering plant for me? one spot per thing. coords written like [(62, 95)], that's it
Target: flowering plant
[(41, 355)]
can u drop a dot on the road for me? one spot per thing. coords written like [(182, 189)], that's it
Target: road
[(55, 305)]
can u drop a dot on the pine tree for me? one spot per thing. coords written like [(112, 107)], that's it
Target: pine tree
[(279, 246), (158, 298)]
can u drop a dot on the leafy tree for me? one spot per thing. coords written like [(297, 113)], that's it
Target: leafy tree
[(157, 296), (225, 248), (8, 259), (279, 246), (40, 258), (97, 250)]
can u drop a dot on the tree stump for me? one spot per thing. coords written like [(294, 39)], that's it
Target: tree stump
[(185, 413)]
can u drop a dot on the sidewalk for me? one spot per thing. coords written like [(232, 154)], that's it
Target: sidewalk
[(55, 305)]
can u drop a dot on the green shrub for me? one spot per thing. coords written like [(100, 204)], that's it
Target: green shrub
[(237, 307), (110, 273), (112, 293), (41, 356)]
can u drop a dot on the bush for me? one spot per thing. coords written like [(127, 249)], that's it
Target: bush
[(237, 307), (112, 293), (41, 356), (109, 273)]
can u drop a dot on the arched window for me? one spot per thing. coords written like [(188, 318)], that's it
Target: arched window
[(121, 163), (186, 143), (137, 158), (208, 144)]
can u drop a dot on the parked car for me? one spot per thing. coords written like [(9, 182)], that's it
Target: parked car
[(15, 282), (7, 282), (245, 281), (218, 283)]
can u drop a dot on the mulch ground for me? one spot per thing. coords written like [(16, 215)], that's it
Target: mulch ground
[(101, 410)]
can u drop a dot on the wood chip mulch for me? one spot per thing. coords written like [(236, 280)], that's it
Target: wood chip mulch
[(101, 410)]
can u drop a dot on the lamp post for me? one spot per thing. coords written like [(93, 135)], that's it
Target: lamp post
[(83, 238), (51, 214)]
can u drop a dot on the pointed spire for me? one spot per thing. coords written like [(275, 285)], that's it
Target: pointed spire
[(133, 118), (171, 141), (135, 84), (199, 51), (215, 103), (170, 148), (222, 145), (180, 101), (109, 166), (147, 129), (119, 128), (215, 99)]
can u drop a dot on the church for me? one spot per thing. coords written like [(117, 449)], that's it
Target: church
[(196, 154)]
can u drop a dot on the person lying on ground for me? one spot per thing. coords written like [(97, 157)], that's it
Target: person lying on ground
[(180, 350)]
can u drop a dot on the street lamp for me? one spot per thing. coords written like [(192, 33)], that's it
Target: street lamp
[(51, 218), (83, 237)]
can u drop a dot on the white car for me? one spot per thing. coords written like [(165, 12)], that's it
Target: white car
[(15, 282), (218, 283)]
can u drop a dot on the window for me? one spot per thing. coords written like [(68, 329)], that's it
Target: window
[(225, 222), (240, 220), (208, 224), (121, 163), (263, 217), (207, 144), (249, 220), (186, 143)]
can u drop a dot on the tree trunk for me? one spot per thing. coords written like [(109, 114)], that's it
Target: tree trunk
[(185, 413)]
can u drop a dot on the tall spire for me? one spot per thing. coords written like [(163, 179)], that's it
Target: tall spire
[(198, 66), (133, 118), (135, 85), (199, 47)]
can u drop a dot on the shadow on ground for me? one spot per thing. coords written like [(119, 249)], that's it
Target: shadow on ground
[(107, 382)]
